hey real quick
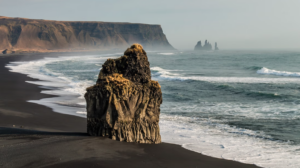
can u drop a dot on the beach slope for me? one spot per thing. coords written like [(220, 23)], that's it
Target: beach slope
[(32, 135)]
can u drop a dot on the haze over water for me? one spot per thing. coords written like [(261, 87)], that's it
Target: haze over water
[(237, 105), (234, 24)]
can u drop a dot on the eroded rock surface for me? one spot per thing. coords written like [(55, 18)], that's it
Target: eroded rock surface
[(125, 103)]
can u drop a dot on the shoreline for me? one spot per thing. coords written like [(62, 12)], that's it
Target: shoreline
[(33, 135)]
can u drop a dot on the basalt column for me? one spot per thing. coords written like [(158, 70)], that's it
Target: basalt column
[(125, 103)]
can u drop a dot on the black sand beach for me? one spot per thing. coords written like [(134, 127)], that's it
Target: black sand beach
[(32, 135)]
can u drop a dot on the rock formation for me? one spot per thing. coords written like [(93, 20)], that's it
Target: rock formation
[(206, 46), (8, 51), (29, 34), (125, 103), (216, 46), (198, 46)]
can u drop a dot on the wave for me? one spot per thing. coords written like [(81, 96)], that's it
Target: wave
[(251, 93), (37, 69), (266, 95), (261, 110), (266, 71), (254, 68), (164, 74), (166, 53), (70, 91), (215, 139)]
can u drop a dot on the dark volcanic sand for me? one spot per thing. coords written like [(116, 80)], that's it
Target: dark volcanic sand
[(32, 135)]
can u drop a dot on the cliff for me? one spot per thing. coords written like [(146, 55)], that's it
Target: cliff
[(30, 34), (125, 103)]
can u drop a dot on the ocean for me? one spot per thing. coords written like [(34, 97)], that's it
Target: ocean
[(237, 105)]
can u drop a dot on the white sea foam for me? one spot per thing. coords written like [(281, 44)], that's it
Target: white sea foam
[(266, 71), (36, 69), (164, 74), (211, 138), (59, 84), (166, 53), (55, 103)]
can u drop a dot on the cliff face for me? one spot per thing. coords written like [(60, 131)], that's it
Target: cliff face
[(125, 103), (50, 35)]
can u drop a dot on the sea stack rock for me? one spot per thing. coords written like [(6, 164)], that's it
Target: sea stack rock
[(206, 46), (198, 46), (216, 46), (125, 103)]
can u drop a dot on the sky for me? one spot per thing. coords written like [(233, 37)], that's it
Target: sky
[(234, 24)]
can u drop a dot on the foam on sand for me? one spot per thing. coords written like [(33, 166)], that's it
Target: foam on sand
[(215, 139), (71, 91)]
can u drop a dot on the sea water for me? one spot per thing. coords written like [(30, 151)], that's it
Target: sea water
[(237, 105)]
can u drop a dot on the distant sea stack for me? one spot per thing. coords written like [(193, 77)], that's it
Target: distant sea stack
[(125, 103), (30, 34), (216, 46), (198, 46), (206, 46)]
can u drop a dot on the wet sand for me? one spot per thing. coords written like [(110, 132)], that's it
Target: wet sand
[(32, 135)]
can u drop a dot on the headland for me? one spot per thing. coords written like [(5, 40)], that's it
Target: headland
[(22, 35)]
